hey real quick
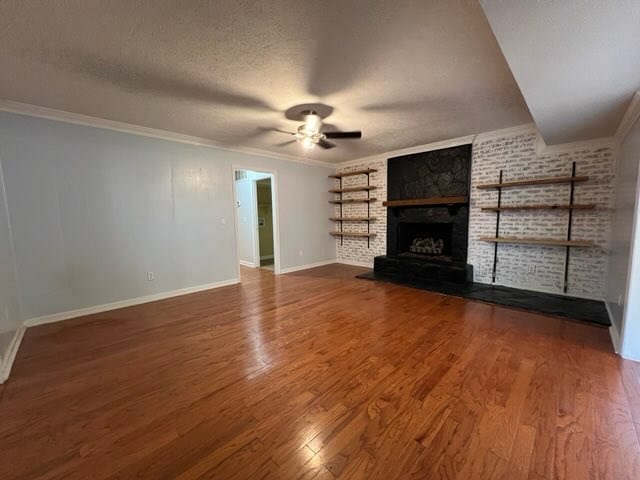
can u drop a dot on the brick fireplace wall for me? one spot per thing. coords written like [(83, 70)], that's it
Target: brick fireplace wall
[(537, 268), (354, 249)]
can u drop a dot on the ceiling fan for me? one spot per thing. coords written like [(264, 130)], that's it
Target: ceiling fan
[(310, 132)]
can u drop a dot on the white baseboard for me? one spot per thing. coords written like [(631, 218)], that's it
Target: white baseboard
[(247, 264), (355, 263), (307, 266), (7, 363), (57, 317), (266, 257)]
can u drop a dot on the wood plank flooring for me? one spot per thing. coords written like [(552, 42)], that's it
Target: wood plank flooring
[(318, 375)]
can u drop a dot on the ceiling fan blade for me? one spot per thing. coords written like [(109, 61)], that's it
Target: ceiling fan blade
[(284, 144), (326, 145), (282, 131), (357, 134)]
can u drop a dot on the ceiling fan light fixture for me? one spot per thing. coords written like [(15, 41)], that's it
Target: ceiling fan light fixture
[(310, 132), (308, 143), (312, 123)]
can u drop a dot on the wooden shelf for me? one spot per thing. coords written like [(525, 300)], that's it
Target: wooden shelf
[(417, 202), (351, 174), (575, 206), (534, 181), (353, 200), (352, 234), (539, 241), (364, 188), (343, 216)]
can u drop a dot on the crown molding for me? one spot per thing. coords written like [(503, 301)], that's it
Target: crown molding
[(541, 147), (592, 144), (89, 121), (630, 117), (453, 142), (507, 132)]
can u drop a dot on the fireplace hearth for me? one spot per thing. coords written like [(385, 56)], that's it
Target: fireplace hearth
[(428, 240)]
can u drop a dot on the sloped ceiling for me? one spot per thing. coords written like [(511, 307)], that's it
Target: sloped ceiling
[(405, 72), (577, 62)]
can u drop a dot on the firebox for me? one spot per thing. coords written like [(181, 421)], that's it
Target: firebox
[(432, 241)]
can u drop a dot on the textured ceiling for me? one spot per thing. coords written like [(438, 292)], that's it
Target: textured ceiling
[(576, 61), (404, 72)]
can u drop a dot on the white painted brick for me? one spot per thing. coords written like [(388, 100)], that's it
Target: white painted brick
[(517, 157), (355, 248)]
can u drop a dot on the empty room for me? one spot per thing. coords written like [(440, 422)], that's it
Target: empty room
[(349, 240)]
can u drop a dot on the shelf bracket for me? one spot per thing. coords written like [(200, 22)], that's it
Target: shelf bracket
[(569, 225), (368, 212), (495, 246), (341, 222)]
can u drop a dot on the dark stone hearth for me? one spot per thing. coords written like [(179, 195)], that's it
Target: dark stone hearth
[(590, 311), (412, 269)]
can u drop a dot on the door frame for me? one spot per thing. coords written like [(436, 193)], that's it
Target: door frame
[(275, 215)]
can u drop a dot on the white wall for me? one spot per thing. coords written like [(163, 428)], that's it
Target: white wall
[(93, 210), (623, 293), (9, 315), (630, 341)]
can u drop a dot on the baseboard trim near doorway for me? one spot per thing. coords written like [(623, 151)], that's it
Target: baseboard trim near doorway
[(307, 266), (81, 312)]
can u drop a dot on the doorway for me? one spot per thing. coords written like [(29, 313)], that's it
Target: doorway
[(255, 219), (265, 223)]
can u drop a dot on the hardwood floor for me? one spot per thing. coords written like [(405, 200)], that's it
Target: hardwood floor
[(318, 375)]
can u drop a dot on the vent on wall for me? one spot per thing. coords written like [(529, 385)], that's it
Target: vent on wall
[(241, 174)]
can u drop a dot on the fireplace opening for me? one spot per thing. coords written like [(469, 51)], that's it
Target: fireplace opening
[(429, 241)]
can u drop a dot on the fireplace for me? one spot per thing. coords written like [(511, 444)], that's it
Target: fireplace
[(428, 217), (429, 241)]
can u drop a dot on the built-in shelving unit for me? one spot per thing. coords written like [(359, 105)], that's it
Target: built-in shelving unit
[(341, 218), (568, 243), (416, 202)]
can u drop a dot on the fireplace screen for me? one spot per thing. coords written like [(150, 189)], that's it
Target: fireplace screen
[(425, 240)]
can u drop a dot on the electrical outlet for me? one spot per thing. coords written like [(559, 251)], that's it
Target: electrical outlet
[(619, 300), (300, 253), (223, 221), (150, 276)]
